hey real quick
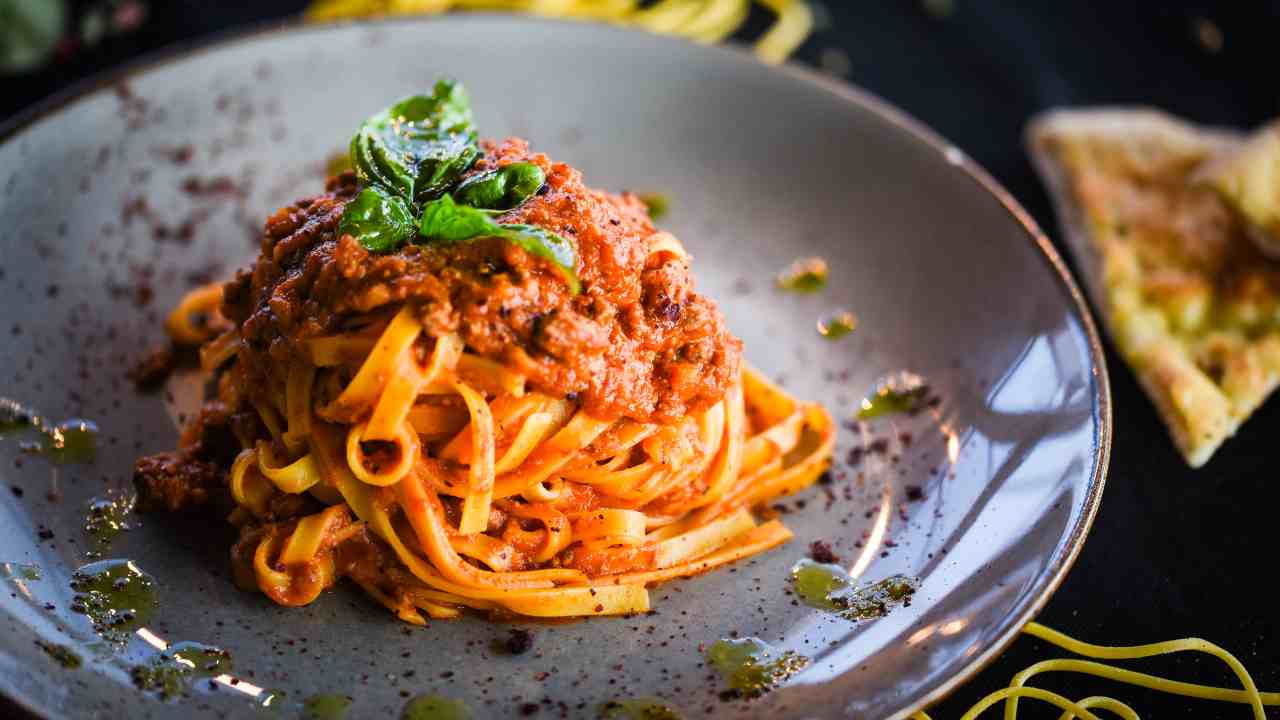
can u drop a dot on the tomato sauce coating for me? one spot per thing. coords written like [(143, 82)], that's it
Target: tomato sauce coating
[(637, 343)]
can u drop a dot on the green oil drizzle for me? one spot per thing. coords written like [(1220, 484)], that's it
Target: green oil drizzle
[(115, 595), (275, 703), (204, 660), (838, 325), (172, 672), (328, 706), (637, 709), (434, 707), (752, 667), (804, 275), (658, 203), (61, 654), (166, 680), (70, 441), (106, 518), (829, 587), (20, 571), (902, 393), (891, 402)]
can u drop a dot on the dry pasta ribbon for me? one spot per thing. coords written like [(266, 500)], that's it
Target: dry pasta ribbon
[(703, 21)]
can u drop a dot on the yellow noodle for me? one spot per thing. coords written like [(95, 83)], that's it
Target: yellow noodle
[(756, 540), (250, 489), (407, 448), (298, 404), (358, 399), (705, 21), (609, 527), (305, 540), (401, 389), (201, 302), (475, 508), (700, 541), (795, 22), (219, 351), (296, 477), (1249, 695)]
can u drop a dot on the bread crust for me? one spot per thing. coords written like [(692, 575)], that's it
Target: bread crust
[(1188, 299)]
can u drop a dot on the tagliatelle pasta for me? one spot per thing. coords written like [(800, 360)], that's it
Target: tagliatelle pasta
[(534, 414), (547, 462)]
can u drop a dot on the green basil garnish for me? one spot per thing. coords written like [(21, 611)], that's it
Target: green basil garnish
[(420, 146), (444, 220), (411, 155), (502, 189), (380, 221), (447, 221), (443, 165)]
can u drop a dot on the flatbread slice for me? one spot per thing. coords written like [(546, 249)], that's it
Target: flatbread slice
[(1192, 304)]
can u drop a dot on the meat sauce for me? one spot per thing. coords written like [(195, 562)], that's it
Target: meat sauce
[(637, 343)]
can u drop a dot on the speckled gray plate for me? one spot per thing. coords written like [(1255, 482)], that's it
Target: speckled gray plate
[(762, 165)]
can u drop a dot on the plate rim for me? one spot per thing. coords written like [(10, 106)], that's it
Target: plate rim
[(847, 91)]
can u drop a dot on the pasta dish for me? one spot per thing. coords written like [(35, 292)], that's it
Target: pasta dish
[(461, 378)]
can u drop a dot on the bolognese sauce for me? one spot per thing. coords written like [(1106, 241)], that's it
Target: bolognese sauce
[(638, 343)]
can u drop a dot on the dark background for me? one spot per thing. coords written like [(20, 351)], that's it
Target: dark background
[(1173, 552)]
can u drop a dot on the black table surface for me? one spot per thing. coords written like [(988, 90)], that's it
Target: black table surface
[(1174, 552)]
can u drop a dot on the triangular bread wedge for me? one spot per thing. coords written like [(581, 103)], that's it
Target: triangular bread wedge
[(1192, 304)]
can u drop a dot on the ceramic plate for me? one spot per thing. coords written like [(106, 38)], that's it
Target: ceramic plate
[(118, 199)]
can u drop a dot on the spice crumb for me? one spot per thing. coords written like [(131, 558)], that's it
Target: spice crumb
[(821, 552), (519, 642)]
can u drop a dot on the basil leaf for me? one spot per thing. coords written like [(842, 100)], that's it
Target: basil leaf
[(545, 244), (421, 145), (447, 221), (362, 160), (444, 220), (502, 189), (378, 220), (442, 164), (447, 109)]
